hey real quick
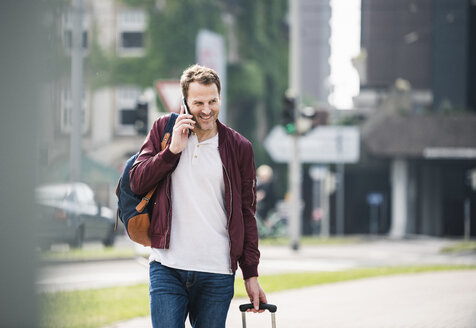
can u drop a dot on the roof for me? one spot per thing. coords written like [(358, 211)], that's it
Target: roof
[(393, 135)]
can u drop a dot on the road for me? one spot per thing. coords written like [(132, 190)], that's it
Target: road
[(96, 274), (371, 253)]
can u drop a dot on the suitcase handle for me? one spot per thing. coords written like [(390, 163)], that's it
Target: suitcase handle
[(262, 306)]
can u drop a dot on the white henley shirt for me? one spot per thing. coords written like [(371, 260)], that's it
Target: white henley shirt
[(199, 238)]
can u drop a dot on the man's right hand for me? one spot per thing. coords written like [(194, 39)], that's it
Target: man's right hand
[(180, 133)]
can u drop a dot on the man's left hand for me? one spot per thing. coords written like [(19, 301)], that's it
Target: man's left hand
[(255, 293)]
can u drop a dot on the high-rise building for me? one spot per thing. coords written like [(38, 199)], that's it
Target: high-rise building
[(315, 50), (421, 133), (429, 43)]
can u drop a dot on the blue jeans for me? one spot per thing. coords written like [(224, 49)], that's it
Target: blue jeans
[(174, 293)]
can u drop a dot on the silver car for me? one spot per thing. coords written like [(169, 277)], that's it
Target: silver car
[(69, 213)]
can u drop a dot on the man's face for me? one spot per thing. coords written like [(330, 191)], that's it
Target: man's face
[(204, 104)]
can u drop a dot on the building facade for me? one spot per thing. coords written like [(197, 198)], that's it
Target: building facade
[(420, 87), (108, 117)]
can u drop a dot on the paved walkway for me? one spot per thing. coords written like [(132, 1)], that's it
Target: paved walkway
[(433, 300)]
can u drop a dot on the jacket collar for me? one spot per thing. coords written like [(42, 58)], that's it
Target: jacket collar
[(222, 129)]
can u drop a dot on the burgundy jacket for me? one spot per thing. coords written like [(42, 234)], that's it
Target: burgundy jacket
[(154, 167)]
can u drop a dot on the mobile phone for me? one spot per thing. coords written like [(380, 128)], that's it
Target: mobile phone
[(187, 111), (184, 103)]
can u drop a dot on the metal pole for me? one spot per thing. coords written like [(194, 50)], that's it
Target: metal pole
[(340, 186), (76, 89), (467, 219), (340, 199), (316, 202), (295, 163), (325, 206), (295, 182), (373, 228)]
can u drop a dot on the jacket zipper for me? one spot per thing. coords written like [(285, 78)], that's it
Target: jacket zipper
[(253, 192), (168, 213), (229, 214)]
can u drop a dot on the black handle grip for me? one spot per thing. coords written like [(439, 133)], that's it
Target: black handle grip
[(262, 306)]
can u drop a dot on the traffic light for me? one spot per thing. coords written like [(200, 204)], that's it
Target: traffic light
[(141, 123), (288, 114)]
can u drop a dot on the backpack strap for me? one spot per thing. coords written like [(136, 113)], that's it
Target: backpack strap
[(145, 200), (165, 138), (168, 130)]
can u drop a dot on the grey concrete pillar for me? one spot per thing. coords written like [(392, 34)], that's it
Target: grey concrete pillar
[(399, 185)]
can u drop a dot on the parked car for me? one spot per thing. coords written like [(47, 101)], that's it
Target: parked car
[(69, 213)]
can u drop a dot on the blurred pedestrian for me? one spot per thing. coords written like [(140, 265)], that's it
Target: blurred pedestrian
[(266, 195), (203, 216)]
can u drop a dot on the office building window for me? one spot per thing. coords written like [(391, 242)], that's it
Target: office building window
[(68, 31), (131, 27), (66, 103), (126, 100)]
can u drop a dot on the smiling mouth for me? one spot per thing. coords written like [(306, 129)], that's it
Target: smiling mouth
[(205, 117)]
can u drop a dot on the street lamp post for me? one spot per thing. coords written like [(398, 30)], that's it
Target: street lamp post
[(76, 89), (295, 162)]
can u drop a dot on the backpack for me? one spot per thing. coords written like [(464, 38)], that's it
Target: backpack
[(132, 209)]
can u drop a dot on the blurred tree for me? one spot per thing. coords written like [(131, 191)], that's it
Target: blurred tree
[(256, 81), (170, 43), (263, 44)]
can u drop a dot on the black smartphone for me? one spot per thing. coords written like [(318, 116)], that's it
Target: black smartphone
[(187, 111), (184, 103)]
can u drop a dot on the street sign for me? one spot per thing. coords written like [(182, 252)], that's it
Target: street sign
[(171, 94), (374, 198), (211, 52), (324, 144)]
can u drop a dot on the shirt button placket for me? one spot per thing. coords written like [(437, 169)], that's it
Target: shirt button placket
[(195, 154)]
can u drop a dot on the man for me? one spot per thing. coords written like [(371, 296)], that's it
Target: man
[(202, 220), (265, 195)]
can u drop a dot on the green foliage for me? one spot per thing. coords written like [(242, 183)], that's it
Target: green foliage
[(311, 240), (87, 254), (169, 42), (263, 37), (349, 120), (263, 46), (247, 80), (256, 82), (462, 247), (98, 65), (138, 3), (246, 89)]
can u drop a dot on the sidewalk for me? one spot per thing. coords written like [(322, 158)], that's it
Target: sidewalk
[(433, 300), (366, 252)]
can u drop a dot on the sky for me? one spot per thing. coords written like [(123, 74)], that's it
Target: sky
[(345, 44)]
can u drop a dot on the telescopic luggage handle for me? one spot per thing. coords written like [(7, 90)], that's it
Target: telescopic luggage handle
[(262, 306)]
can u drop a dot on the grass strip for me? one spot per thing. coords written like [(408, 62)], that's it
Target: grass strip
[(83, 254), (93, 308), (462, 247), (101, 307), (99, 253), (306, 240), (280, 282)]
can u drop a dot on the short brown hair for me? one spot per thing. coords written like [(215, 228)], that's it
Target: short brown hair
[(200, 74)]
